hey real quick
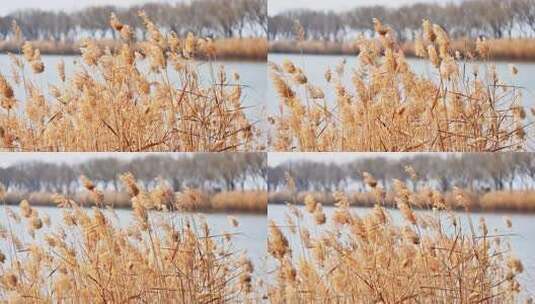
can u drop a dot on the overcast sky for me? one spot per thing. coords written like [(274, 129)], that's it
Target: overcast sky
[(275, 159), (7, 158), (277, 6), (274, 6), (7, 6)]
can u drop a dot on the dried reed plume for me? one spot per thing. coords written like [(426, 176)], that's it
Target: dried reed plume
[(392, 108), (89, 257), (370, 258), (123, 99)]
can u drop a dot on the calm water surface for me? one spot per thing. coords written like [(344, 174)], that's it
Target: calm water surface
[(315, 67), (252, 77), (522, 237), (251, 234)]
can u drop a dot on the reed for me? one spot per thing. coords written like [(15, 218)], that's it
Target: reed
[(251, 201), (242, 49), (313, 47), (254, 49), (205, 201), (499, 49), (503, 201), (88, 256), (520, 49), (348, 256), (520, 201), (463, 106), (137, 96)]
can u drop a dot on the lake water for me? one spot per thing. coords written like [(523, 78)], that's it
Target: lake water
[(252, 77), (315, 67), (522, 237), (251, 234)]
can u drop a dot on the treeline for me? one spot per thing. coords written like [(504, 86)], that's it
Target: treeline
[(217, 18), (469, 18), (210, 172), (476, 172)]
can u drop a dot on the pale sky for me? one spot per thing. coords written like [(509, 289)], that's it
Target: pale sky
[(274, 6), (277, 6), (8, 158), (7, 7), (275, 159)]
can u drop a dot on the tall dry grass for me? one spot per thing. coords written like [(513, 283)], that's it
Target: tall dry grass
[(505, 201), (197, 200), (251, 201), (349, 257), (463, 107), (46, 199), (89, 257), (498, 49), (242, 49), (313, 47), (124, 99), (520, 201)]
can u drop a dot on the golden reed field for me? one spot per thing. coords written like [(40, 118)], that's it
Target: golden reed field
[(88, 257), (123, 99), (157, 87), (345, 256), (198, 201), (351, 257), (389, 107)]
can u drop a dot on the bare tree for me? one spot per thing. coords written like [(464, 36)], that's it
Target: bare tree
[(468, 18), (474, 171)]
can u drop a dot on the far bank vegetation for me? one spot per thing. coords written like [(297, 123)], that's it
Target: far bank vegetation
[(491, 182), (224, 182)]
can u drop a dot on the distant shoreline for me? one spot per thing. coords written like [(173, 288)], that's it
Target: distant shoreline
[(245, 202), (494, 201), (513, 50), (233, 49)]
